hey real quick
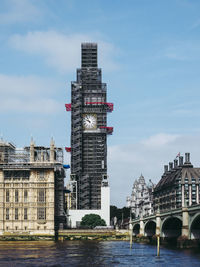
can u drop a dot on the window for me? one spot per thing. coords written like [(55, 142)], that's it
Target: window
[(7, 213), (25, 195), (16, 213), (41, 213), (7, 195), (41, 175), (25, 213), (16, 195), (41, 195)]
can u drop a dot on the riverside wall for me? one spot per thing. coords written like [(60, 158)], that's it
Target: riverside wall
[(70, 234)]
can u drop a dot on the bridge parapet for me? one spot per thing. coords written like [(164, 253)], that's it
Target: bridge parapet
[(185, 216)]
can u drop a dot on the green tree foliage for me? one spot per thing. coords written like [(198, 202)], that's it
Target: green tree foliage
[(115, 212), (92, 220), (120, 213)]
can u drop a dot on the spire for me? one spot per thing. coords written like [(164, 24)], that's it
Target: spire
[(32, 142), (141, 179), (32, 150), (52, 142), (52, 146)]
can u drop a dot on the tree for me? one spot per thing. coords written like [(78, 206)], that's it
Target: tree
[(115, 212), (119, 213), (126, 212), (92, 220)]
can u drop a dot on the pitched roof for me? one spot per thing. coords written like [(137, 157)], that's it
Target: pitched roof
[(185, 171)]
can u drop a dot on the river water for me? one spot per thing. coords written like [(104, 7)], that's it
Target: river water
[(91, 253)]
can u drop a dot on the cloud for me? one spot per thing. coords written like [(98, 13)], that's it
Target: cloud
[(183, 51), (44, 106), (28, 94), (159, 140), (127, 162), (19, 11), (62, 51)]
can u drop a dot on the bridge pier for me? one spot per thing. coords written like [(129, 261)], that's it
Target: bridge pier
[(185, 222), (158, 223), (141, 226)]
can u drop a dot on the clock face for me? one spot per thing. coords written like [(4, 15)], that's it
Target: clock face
[(90, 121)]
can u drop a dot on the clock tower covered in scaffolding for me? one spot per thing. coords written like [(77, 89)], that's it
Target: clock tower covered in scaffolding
[(89, 130)]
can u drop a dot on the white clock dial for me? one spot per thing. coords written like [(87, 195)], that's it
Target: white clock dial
[(89, 121)]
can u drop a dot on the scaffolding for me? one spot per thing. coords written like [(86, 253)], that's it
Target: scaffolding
[(88, 147), (109, 130), (9, 154), (6, 149), (108, 105)]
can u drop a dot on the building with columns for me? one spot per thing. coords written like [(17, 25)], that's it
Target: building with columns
[(140, 201), (178, 186), (31, 189)]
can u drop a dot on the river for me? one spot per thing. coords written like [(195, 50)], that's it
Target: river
[(91, 253)]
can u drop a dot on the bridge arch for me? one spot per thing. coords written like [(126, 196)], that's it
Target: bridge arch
[(171, 227), (136, 229), (195, 227), (150, 228)]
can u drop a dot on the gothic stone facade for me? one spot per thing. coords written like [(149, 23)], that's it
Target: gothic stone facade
[(89, 131), (30, 183), (140, 201)]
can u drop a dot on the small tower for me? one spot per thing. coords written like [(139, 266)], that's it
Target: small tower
[(52, 150), (32, 150)]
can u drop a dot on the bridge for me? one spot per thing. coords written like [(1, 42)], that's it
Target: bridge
[(183, 222)]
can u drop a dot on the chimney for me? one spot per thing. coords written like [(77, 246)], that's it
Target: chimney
[(170, 166), (165, 168), (187, 158), (181, 161), (175, 163)]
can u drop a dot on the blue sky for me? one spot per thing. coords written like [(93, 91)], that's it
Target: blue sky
[(149, 51)]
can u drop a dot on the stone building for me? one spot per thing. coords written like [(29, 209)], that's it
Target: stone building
[(141, 200), (178, 186), (31, 189), (89, 108), (90, 191)]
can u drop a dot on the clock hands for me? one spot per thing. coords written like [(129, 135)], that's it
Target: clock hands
[(89, 122)]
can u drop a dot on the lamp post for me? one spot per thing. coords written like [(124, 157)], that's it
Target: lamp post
[(158, 228), (131, 230)]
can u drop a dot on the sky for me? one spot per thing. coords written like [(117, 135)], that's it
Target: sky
[(149, 52)]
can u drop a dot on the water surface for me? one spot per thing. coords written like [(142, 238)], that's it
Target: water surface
[(91, 253)]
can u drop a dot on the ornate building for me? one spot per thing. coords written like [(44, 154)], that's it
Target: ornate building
[(31, 189), (89, 132), (178, 186), (141, 200)]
